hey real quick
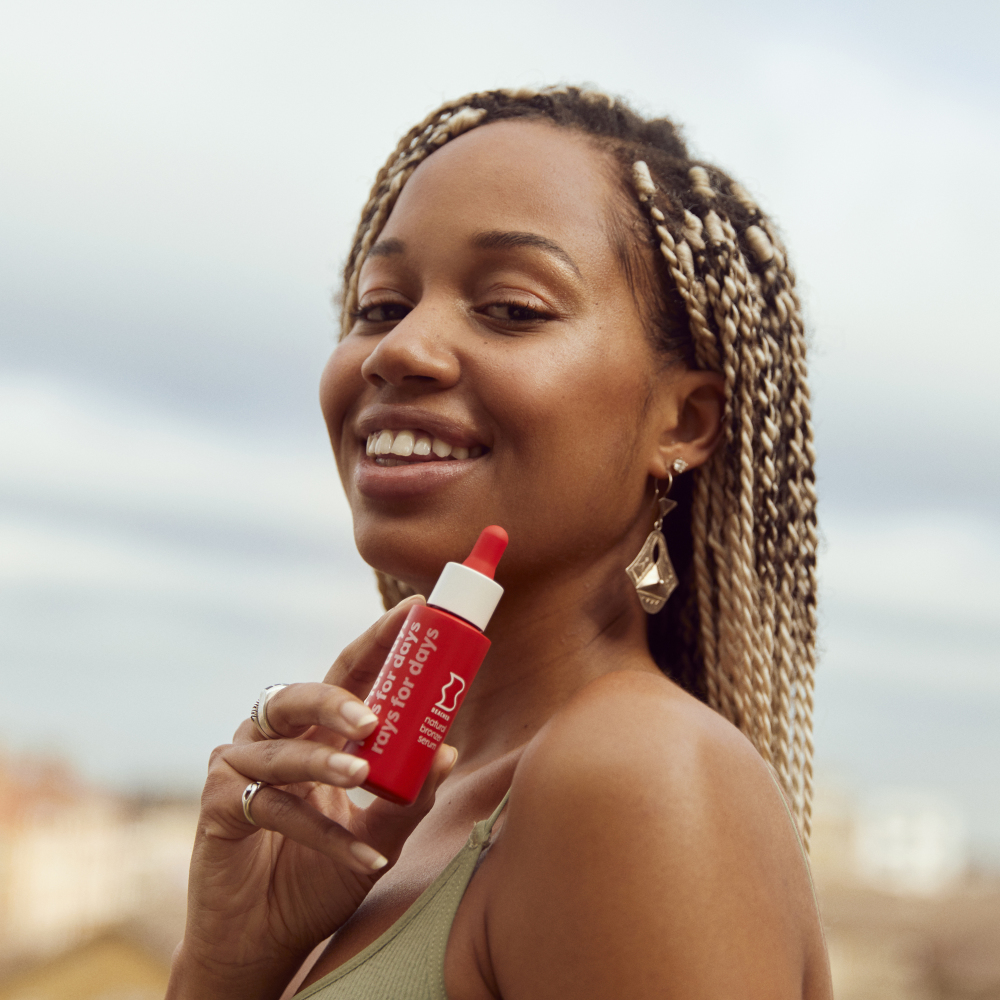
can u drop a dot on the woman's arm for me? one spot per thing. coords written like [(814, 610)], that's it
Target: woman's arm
[(658, 864)]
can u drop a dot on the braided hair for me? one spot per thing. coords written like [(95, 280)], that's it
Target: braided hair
[(740, 631)]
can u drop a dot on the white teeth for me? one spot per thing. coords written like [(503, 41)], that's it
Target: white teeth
[(408, 442), (403, 445)]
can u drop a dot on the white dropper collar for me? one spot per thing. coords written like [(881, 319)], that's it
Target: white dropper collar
[(468, 589)]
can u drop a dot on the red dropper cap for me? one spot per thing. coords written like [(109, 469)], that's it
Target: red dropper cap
[(468, 589), (487, 551)]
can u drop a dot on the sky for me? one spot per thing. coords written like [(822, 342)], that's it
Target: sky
[(178, 186)]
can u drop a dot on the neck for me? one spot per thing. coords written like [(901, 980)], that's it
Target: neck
[(550, 638)]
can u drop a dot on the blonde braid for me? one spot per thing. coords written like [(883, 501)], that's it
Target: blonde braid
[(743, 628), (753, 504), (746, 640), (777, 598), (802, 539), (756, 531), (802, 488)]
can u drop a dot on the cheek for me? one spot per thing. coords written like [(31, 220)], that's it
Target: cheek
[(570, 470), (576, 404), (341, 386)]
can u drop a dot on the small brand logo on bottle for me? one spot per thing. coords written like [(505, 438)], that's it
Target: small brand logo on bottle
[(450, 693)]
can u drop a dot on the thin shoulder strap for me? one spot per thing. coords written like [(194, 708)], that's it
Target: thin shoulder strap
[(496, 813), (482, 830)]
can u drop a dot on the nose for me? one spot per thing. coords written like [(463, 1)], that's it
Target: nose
[(415, 353)]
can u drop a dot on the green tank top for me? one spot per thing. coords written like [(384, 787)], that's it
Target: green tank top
[(407, 961)]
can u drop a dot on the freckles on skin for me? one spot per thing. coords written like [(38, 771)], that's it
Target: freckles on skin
[(561, 403)]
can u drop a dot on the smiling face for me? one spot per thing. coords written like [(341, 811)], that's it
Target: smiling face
[(498, 370)]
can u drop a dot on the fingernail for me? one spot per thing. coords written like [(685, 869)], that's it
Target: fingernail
[(344, 765), (368, 856), (357, 713)]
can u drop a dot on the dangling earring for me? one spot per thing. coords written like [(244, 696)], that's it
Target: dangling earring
[(651, 571)]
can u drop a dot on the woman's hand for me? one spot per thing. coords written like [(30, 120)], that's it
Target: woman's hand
[(260, 897)]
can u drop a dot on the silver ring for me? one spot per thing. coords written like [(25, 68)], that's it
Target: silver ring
[(258, 714), (248, 793)]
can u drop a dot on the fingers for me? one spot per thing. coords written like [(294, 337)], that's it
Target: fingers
[(281, 812), (336, 704), (387, 826), (295, 709), (287, 762), (359, 664)]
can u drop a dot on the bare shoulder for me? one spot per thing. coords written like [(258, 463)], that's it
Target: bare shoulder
[(646, 847), (638, 746)]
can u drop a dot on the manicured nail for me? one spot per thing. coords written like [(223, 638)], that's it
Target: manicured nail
[(346, 766), (368, 856), (358, 714)]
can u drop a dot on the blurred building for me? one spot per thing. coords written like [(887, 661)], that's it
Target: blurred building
[(911, 843), (905, 916), (88, 874), (109, 967)]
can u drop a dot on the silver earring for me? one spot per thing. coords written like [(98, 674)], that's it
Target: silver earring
[(679, 465), (651, 571)]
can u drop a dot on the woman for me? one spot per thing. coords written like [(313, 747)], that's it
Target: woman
[(579, 319)]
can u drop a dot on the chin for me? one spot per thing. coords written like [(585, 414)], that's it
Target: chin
[(412, 549)]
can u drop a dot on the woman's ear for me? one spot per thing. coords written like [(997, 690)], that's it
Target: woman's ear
[(690, 407)]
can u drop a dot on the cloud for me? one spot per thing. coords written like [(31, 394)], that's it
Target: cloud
[(64, 444), (934, 568)]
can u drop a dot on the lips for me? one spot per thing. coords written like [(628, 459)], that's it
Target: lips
[(403, 446)]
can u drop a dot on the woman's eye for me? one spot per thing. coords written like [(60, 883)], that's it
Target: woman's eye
[(513, 312), (382, 312)]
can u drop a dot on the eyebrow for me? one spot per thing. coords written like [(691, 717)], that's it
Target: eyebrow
[(496, 239), (387, 247)]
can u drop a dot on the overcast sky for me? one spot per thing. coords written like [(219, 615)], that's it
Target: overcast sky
[(178, 186)]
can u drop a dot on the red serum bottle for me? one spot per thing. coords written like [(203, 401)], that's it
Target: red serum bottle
[(431, 666)]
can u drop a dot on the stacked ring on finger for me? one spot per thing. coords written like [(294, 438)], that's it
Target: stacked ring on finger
[(248, 793), (258, 714)]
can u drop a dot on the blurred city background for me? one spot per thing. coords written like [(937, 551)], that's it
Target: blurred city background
[(178, 185)]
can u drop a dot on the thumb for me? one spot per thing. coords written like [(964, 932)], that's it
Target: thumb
[(388, 825), (359, 664)]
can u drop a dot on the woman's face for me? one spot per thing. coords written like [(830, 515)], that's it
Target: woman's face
[(495, 323)]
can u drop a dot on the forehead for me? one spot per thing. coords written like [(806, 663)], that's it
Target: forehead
[(528, 176)]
